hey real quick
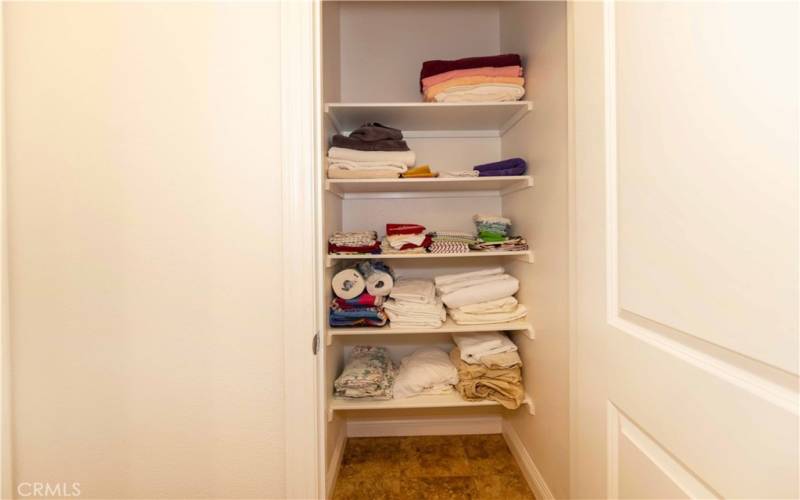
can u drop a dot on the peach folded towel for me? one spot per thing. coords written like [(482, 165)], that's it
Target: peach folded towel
[(430, 94), (458, 73)]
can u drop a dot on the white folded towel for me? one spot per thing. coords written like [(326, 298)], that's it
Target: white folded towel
[(346, 169), (459, 173), (407, 158), (414, 290), (474, 346), (458, 285), (446, 279), (482, 293)]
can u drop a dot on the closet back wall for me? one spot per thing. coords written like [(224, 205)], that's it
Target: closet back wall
[(144, 202)]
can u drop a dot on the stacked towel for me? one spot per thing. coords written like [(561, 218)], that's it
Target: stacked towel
[(413, 303), (494, 234), (490, 371), (369, 373), (427, 370), (351, 312), (480, 297), (405, 238), (372, 151), (473, 79), (512, 166), (450, 242), (354, 242)]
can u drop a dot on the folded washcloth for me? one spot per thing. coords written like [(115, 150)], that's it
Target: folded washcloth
[(474, 346), (407, 158), (375, 132), (512, 166), (421, 171), (449, 247), (385, 247), (372, 137), (458, 73), (438, 66), (490, 219), (414, 290), (460, 173)]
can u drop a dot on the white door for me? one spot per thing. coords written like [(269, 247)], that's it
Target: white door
[(686, 156)]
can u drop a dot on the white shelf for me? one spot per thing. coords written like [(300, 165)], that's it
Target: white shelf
[(524, 255), (449, 326), (429, 187), (425, 119), (453, 400)]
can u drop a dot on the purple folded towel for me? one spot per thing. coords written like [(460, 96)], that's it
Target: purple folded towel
[(512, 166)]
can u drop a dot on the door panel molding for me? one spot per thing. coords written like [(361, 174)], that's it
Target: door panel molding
[(755, 384), (619, 426)]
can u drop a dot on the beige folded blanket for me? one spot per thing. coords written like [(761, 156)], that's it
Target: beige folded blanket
[(478, 382), (494, 92)]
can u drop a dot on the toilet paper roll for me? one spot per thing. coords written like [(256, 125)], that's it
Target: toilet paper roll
[(348, 283), (379, 278)]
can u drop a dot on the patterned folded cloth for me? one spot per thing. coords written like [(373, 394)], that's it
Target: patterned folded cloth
[(375, 247), (369, 373), (387, 248), (512, 244), (354, 239), (454, 236), (365, 300), (356, 316), (448, 247)]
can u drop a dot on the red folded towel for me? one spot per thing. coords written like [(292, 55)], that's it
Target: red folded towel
[(430, 68), (392, 229)]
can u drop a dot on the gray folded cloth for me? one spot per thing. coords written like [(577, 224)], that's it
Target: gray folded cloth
[(341, 141), (372, 131), (372, 137)]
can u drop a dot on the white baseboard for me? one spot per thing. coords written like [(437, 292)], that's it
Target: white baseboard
[(336, 462), (529, 470), (491, 424)]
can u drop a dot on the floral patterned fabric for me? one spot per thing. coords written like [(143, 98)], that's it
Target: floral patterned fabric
[(369, 373)]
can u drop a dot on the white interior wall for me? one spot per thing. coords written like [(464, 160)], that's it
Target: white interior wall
[(537, 31), (142, 141), (384, 44)]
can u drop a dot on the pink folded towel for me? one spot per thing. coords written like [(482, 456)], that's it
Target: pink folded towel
[(457, 73)]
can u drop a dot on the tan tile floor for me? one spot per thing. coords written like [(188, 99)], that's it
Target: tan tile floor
[(430, 467)]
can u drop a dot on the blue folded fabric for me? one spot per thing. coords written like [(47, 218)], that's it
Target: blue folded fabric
[(512, 166), (364, 316)]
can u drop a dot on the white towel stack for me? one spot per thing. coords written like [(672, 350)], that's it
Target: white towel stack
[(480, 297), (346, 163), (413, 303)]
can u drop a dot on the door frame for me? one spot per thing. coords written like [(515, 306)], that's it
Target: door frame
[(303, 423)]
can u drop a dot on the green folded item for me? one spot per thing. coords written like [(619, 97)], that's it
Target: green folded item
[(491, 236)]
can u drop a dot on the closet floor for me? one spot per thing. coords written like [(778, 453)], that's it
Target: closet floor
[(430, 467)]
